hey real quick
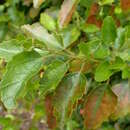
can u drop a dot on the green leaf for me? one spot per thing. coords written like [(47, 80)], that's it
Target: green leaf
[(128, 31), (47, 21), (99, 105), (108, 30), (3, 30), (19, 70), (117, 64), (40, 33), (126, 72), (120, 37), (103, 72), (10, 48), (52, 76), (89, 28), (70, 90), (70, 35), (104, 2), (101, 52), (89, 48)]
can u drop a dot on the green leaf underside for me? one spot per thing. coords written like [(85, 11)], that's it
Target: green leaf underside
[(10, 48), (40, 33), (52, 76), (19, 70), (65, 99)]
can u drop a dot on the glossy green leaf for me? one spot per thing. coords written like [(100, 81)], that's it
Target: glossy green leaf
[(70, 90), (40, 33), (19, 70), (10, 48), (52, 76), (103, 72), (108, 30), (47, 21)]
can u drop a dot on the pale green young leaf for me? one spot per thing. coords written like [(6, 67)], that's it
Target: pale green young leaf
[(19, 70), (47, 21)]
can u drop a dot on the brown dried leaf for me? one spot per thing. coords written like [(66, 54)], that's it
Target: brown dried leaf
[(94, 9), (125, 5), (93, 20), (122, 91), (66, 12), (100, 104), (51, 120)]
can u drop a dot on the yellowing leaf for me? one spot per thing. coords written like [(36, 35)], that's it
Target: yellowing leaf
[(100, 104), (122, 91), (67, 11)]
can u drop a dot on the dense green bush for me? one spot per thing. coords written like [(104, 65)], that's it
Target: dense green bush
[(65, 65)]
